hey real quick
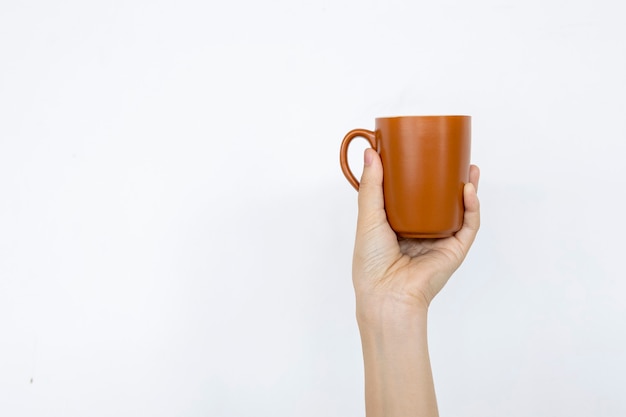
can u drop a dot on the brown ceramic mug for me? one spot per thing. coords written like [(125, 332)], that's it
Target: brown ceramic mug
[(426, 162)]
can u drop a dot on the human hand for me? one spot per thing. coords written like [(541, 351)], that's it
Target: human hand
[(403, 273)]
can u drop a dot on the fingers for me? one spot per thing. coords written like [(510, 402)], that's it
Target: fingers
[(474, 175), (471, 218)]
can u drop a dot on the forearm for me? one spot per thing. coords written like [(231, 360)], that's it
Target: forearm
[(398, 376)]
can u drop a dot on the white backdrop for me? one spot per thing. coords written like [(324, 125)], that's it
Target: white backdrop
[(176, 234)]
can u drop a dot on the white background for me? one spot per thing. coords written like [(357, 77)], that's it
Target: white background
[(176, 234)]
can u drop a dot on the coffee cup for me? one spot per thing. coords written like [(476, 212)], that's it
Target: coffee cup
[(426, 162)]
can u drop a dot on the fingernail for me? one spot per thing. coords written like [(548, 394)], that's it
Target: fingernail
[(367, 158)]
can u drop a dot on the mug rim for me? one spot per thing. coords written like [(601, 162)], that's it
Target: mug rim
[(429, 116)]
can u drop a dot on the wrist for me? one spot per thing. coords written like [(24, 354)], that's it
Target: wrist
[(389, 311)]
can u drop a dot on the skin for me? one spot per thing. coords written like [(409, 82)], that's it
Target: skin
[(395, 280)]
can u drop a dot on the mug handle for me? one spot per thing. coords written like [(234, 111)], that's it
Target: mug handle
[(343, 153)]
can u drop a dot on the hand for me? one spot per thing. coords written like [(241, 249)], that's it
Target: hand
[(406, 273)]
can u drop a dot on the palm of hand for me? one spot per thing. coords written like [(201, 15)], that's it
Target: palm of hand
[(428, 264), (410, 270)]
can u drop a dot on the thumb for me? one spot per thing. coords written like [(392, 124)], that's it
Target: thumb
[(371, 201)]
